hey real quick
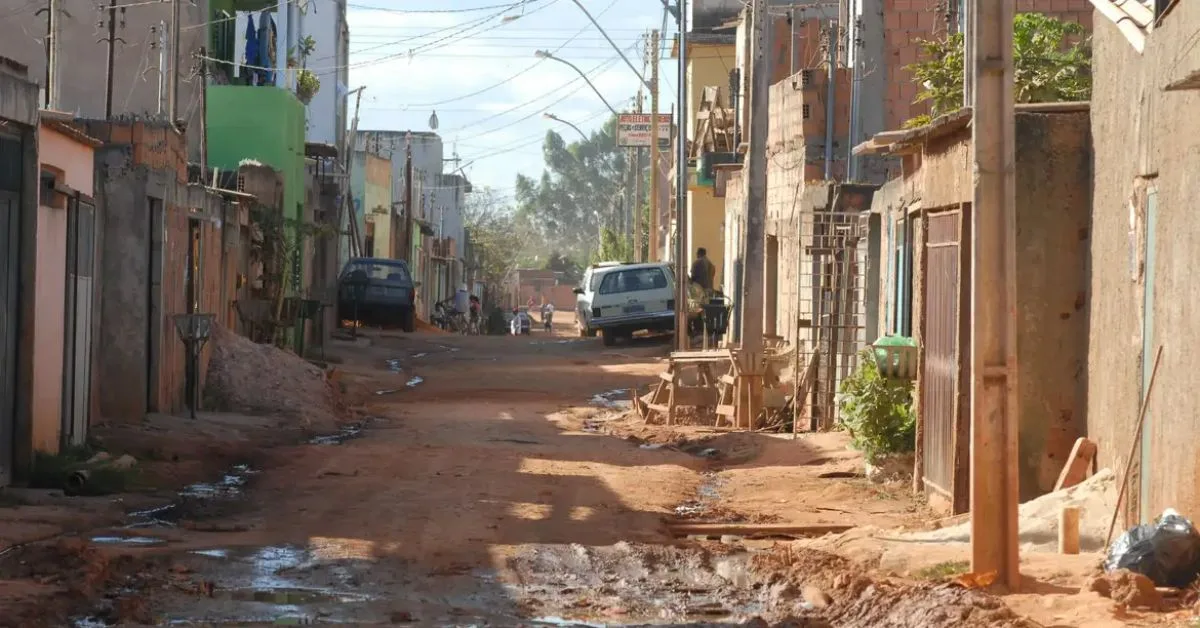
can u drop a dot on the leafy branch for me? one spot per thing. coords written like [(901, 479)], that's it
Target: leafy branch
[(1051, 60)]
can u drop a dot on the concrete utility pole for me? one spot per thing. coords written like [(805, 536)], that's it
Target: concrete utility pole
[(652, 233), (756, 211), (203, 110), (994, 420), (53, 28), (173, 100), (162, 67), (112, 40), (681, 183), (410, 215), (831, 39), (350, 145), (636, 209)]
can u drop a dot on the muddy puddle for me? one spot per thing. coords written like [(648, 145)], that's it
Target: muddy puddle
[(348, 432), (617, 399)]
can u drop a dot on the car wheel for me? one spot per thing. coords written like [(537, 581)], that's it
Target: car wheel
[(408, 321)]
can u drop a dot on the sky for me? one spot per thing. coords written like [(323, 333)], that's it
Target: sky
[(478, 72)]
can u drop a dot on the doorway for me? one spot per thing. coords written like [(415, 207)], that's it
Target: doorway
[(154, 260), (77, 333), (12, 173)]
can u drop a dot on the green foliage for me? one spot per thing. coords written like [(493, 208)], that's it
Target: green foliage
[(877, 411), (944, 571), (54, 471), (572, 271), (497, 235), (1052, 62), (613, 248), (578, 193)]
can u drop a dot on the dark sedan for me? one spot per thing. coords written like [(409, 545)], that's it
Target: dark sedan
[(379, 291)]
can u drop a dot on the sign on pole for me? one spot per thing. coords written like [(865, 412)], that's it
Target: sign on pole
[(633, 129)]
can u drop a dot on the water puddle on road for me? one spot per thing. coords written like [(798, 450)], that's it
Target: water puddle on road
[(415, 381), (143, 541), (617, 399), (348, 432), (230, 485)]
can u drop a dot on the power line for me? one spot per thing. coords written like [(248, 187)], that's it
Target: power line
[(512, 77)]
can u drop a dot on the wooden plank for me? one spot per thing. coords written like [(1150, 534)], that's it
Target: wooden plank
[(727, 410), (1079, 464), (688, 528), (728, 379), (657, 407), (695, 396), (1068, 530), (667, 376)]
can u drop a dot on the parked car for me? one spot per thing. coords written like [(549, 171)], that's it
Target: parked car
[(620, 299), (379, 291)]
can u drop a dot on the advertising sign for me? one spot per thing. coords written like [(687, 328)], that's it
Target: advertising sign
[(633, 129)]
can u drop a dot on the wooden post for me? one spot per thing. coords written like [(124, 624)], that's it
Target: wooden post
[(681, 191), (652, 234), (1068, 530), (994, 421), (409, 214)]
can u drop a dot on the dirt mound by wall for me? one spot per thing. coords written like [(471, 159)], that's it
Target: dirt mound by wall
[(250, 378)]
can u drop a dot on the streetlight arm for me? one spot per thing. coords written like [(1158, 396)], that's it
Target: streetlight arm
[(612, 43), (551, 116), (541, 54)]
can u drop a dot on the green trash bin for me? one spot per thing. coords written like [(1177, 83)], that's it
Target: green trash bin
[(896, 356)]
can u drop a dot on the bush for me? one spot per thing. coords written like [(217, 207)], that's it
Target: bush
[(877, 411)]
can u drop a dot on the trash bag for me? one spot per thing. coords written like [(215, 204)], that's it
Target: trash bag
[(1167, 551)]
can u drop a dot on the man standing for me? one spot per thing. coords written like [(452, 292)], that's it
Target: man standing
[(704, 272)]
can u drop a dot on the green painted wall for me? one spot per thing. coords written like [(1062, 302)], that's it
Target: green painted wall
[(265, 124)]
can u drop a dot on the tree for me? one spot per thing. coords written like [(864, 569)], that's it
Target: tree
[(1052, 60), (496, 235), (613, 248), (570, 270), (578, 193)]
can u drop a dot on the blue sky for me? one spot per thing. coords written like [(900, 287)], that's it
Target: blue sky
[(415, 62)]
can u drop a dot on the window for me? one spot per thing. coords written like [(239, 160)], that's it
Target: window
[(902, 262), (806, 111), (380, 270), (805, 78), (634, 280)]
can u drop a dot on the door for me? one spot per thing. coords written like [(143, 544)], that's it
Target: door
[(945, 441), (77, 335), (11, 176)]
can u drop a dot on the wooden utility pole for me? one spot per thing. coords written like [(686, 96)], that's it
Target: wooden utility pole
[(112, 40), (756, 217), (173, 95), (409, 214), (681, 185), (655, 166), (994, 420)]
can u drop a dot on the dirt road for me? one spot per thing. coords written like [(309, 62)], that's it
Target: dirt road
[(494, 481)]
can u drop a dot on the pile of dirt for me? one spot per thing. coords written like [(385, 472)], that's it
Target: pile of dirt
[(425, 326), (250, 378), (834, 591)]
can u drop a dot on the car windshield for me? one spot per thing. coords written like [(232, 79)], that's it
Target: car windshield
[(633, 280), (380, 270)]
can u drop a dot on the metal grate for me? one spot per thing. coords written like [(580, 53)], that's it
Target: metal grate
[(806, 111)]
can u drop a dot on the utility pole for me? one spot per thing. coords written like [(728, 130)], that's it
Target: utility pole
[(173, 99), (636, 209), (203, 111), (350, 145), (831, 39), (681, 182), (162, 66), (112, 40), (994, 420), (53, 26), (655, 172), (408, 198), (756, 215)]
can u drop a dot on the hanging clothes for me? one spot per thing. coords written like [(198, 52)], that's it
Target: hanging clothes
[(250, 59)]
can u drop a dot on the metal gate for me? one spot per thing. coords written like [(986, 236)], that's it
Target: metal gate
[(946, 431), (12, 173), (826, 309), (77, 346)]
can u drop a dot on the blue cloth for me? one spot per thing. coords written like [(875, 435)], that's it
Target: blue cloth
[(251, 50)]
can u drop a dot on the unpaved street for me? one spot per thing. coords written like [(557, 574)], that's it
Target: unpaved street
[(498, 481)]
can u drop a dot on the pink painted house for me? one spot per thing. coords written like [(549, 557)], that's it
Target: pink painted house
[(64, 295)]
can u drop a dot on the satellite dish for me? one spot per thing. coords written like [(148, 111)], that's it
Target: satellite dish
[(433, 121)]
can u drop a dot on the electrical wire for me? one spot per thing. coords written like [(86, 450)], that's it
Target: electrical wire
[(509, 79)]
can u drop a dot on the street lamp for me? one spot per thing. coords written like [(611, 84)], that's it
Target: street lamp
[(542, 54), (550, 116), (613, 44)]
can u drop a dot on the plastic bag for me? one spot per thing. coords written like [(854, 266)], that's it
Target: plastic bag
[(1167, 552)]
